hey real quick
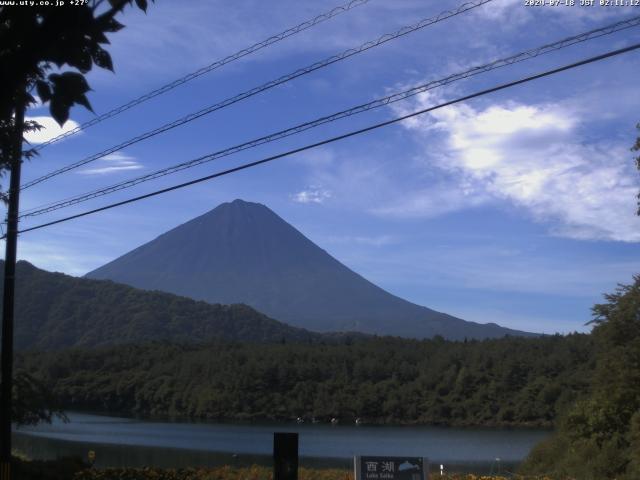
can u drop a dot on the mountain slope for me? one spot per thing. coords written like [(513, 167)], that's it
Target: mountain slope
[(55, 311), (243, 252)]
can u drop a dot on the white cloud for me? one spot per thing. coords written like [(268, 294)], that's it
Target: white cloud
[(216, 30), (513, 13), (117, 157), (511, 10), (318, 158), (311, 195), (383, 183), (533, 157), (372, 241), (114, 162), (432, 201), (50, 129)]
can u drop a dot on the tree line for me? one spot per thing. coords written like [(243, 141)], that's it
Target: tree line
[(599, 436), (510, 381)]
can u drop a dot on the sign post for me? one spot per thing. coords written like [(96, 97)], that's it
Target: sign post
[(285, 456), (390, 468)]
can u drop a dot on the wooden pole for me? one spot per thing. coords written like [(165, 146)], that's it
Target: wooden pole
[(285, 456), (6, 389)]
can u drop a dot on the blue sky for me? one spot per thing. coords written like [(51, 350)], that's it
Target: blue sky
[(516, 208)]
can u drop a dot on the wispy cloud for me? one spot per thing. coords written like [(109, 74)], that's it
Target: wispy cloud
[(311, 195), (513, 13), (435, 200), (211, 35), (383, 184), (216, 30), (114, 162), (59, 257), (533, 156), (50, 129), (373, 241)]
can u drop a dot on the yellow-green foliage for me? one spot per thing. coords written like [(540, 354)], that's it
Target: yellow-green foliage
[(599, 437), (62, 469), (217, 473), (75, 469), (249, 473)]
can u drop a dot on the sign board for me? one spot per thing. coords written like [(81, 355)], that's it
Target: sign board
[(391, 468)]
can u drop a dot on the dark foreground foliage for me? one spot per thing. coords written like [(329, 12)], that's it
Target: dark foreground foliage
[(511, 381), (32, 401), (250, 473), (217, 473), (61, 469), (599, 438), (70, 469)]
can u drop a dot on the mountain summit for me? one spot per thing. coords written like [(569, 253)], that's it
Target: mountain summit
[(242, 252)]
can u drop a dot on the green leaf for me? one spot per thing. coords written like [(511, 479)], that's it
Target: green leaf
[(113, 26), (72, 83), (44, 91), (32, 126), (80, 58), (68, 89), (59, 110), (102, 58), (100, 37), (84, 101), (118, 3), (142, 5)]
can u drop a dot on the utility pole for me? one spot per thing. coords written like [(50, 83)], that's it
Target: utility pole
[(6, 391)]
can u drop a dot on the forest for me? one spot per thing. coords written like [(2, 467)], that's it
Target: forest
[(587, 386), (56, 311), (599, 436), (511, 381)]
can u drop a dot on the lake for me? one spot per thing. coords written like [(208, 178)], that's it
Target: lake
[(131, 442)]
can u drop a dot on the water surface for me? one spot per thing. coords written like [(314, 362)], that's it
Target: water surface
[(131, 442)]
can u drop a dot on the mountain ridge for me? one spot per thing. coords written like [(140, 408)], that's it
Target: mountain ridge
[(56, 311), (243, 252)]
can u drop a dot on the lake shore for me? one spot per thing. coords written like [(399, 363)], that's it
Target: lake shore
[(70, 468), (284, 419)]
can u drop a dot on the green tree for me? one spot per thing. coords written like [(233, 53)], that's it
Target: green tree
[(45, 50), (599, 437), (34, 402), (35, 41)]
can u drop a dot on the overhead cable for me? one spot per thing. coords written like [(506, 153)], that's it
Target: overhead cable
[(340, 137), (266, 86), (396, 97), (212, 66)]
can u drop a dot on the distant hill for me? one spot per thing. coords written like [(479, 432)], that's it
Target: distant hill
[(55, 311), (243, 252)]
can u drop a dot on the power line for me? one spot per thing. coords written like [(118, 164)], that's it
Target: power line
[(528, 54), (266, 86), (341, 137), (212, 66), (621, 25)]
